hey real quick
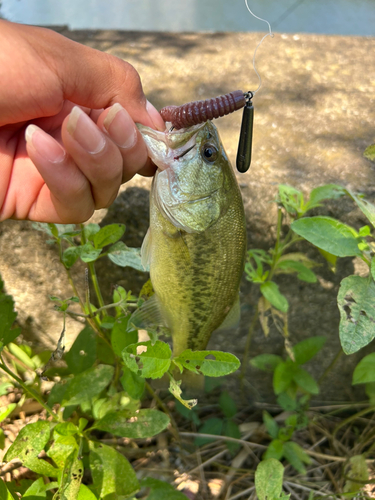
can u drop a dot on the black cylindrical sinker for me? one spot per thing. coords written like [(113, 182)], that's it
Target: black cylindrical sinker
[(246, 138)]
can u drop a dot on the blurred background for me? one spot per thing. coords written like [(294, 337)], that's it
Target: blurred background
[(333, 17)]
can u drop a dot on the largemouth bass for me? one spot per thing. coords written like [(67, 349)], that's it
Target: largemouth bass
[(195, 246)]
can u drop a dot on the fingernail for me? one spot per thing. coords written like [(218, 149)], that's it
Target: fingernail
[(84, 131), (120, 127), (44, 144), (154, 114)]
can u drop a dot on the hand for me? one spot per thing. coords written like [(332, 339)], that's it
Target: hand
[(83, 142)]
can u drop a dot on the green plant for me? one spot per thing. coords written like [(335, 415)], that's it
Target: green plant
[(100, 387)]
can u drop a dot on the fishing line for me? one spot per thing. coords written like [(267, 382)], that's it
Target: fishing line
[(259, 44)]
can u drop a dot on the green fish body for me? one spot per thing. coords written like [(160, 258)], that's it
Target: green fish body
[(195, 246)]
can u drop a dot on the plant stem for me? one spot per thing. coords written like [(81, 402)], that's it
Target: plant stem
[(174, 428), (330, 366), (276, 252), (32, 393), (95, 282)]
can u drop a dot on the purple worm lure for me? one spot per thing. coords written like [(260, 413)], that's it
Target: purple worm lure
[(196, 112)]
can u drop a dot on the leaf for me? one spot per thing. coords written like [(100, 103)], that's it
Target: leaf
[(331, 259), (123, 256), (286, 402), (370, 392), (271, 292), (113, 476), (152, 362), (88, 253), (108, 234), (356, 470), (161, 490), (326, 192), (356, 302), (4, 412), (291, 199), (232, 430), (4, 492), (269, 479), (132, 383), (175, 389), (7, 318), (266, 362), (136, 425), (36, 490), (263, 307), (88, 384), (85, 493), (365, 206), (61, 449), (274, 450), (370, 152), (308, 348), (283, 376), (329, 235), (90, 230), (365, 370), (82, 354), (303, 272), (121, 337), (30, 441), (271, 425), (296, 456), (71, 478), (227, 405), (209, 363), (212, 426), (70, 256), (302, 378)]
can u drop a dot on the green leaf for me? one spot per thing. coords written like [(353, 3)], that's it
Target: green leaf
[(227, 405), (4, 412), (370, 152), (113, 476), (30, 441), (291, 199), (85, 493), (161, 490), (296, 456), (286, 402), (7, 318), (356, 302), (232, 430), (269, 479), (4, 492), (70, 256), (271, 425), (108, 234), (365, 370), (209, 363), (20, 354), (132, 383), (365, 206), (329, 235), (326, 192), (61, 449), (303, 272), (90, 230), (274, 450), (141, 424), (370, 392), (356, 469), (121, 337), (175, 389), (88, 384), (150, 363), (266, 362), (88, 253), (283, 376), (82, 354), (36, 490), (212, 426), (71, 478), (302, 378), (271, 292), (123, 256), (331, 259), (308, 348), (364, 231)]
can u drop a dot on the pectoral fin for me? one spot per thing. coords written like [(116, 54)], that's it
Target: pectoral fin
[(149, 315), (146, 251), (233, 317)]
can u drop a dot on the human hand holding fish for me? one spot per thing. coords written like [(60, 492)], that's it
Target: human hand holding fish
[(78, 107)]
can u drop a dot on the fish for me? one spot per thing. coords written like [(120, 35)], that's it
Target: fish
[(196, 243)]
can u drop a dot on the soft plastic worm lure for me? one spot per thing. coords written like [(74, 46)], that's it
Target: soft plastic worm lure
[(196, 112), (193, 113)]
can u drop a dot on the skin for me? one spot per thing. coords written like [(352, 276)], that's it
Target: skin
[(83, 143)]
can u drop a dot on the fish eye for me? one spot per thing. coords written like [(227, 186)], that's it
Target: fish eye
[(209, 152)]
